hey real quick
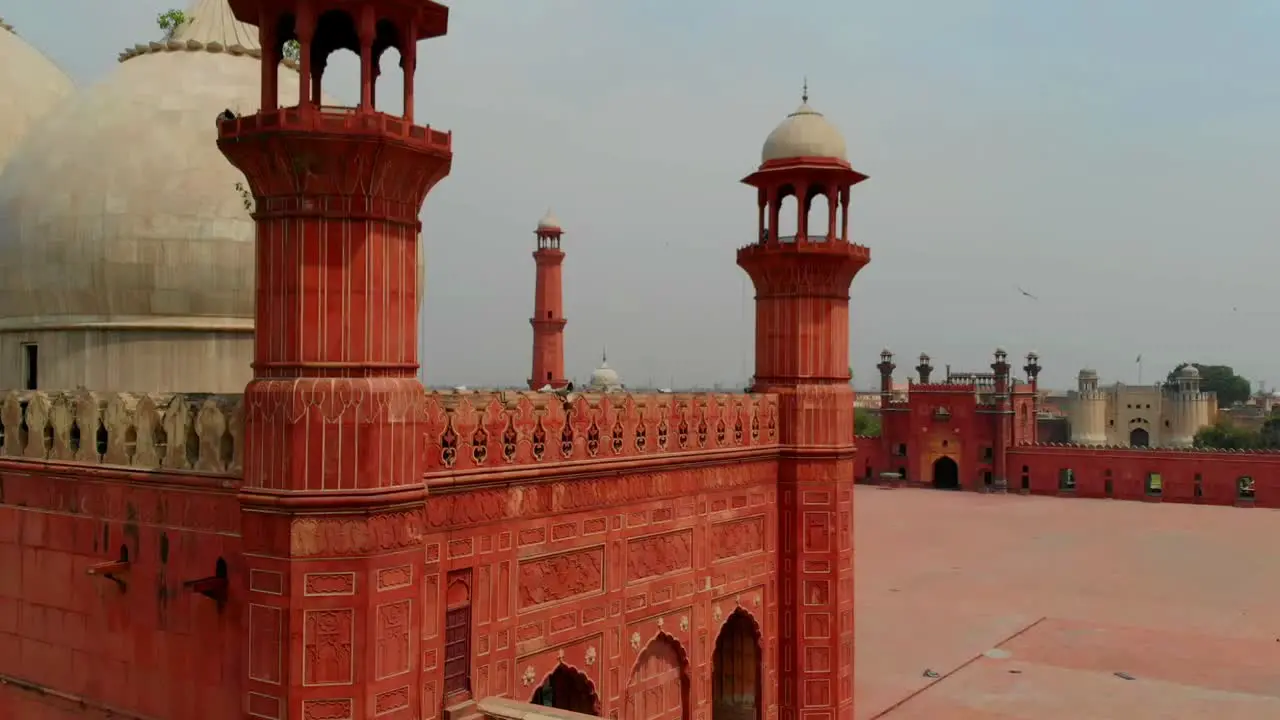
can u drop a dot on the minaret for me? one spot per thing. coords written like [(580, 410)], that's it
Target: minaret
[(332, 497), (886, 368), (924, 369), (548, 319), (1032, 369), (802, 355), (1004, 420)]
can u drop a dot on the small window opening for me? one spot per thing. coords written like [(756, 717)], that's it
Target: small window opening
[(1244, 487), (30, 366), (1155, 485), (1066, 480)]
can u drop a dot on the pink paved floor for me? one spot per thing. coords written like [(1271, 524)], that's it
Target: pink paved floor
[(1026, 607)]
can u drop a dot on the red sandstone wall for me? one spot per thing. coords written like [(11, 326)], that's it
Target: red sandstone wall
[(1218, 473), (153, 649), (588, 571), (961, 433)]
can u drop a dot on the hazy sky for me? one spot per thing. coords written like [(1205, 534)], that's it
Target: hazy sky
[(1118, 158)]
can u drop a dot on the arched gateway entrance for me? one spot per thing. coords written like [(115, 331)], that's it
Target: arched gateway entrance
[(1139, 437), (567, 689), (735, 691), (946, 474)]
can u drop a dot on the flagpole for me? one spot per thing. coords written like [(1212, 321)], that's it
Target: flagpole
[(1139, 369)]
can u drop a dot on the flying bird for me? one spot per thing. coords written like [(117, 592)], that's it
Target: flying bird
[(1024, 292)]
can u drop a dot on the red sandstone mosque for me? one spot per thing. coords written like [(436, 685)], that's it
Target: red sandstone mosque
[(336, 543)]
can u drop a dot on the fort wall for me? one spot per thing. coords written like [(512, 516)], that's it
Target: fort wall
[(1207, 477)]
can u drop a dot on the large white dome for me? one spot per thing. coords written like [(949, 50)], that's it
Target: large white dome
[(805, 133), (30, 86), (119, 211)]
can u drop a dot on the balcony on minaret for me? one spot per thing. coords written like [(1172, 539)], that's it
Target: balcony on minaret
[(317, 28)]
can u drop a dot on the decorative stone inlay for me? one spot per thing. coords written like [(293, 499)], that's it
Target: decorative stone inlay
[(635, 641), (530, 675), (717, 614), (684, 623), (591, 655)]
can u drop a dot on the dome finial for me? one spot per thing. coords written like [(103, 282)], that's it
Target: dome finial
[(804, 93), (604, 355)]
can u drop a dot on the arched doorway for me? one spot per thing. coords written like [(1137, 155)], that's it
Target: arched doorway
[(658, 689), (946, 474), (736, 690), (1139, 437), (567, 689)]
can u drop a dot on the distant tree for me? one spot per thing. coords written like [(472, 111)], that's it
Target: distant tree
[(170, 20), (865, 423), (1223, 435), (1219, 379), (1269, 433)]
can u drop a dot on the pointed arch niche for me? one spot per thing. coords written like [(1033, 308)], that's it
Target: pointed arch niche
[(737, 688), (659, 684), (567, 688)]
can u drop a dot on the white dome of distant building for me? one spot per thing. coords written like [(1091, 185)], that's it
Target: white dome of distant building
[(1190, 371), (805, 133), (605, 378), (549, 221), (126, 249), (30, 87)]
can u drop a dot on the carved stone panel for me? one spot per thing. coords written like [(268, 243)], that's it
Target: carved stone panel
[(737, 537), (655, 555), (551, 578)]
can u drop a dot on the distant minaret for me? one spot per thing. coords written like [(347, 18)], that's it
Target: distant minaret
[(548, 319)]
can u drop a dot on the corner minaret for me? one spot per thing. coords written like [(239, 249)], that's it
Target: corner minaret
[(802, 355), (548, 319), (332, 498)]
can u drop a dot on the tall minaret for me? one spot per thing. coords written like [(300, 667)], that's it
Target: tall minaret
[(802, 355), (332, 496), (548, 319)]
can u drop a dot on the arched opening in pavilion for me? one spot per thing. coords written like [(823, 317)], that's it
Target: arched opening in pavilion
[(658, 688), (946, 474), (736, 675), (567, 689), (819, 218)]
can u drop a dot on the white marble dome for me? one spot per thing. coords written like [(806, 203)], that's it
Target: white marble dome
[(120, 211), (549, 221), (804, 133), (605, 378), (30, 87)]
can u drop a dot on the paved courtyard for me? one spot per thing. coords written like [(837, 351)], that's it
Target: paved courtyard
[(1049, 608)]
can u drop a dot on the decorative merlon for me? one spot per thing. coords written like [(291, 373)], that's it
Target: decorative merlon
[(192, 432), (483, 431)]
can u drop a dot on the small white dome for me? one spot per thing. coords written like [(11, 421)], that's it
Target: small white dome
[(549, 221), (1088, 373), (805, 133), (30, 86), (605, 378), (1190, 371)]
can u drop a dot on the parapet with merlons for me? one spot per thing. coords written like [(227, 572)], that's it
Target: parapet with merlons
[(461, 430), (180, 431), (493, 430)]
